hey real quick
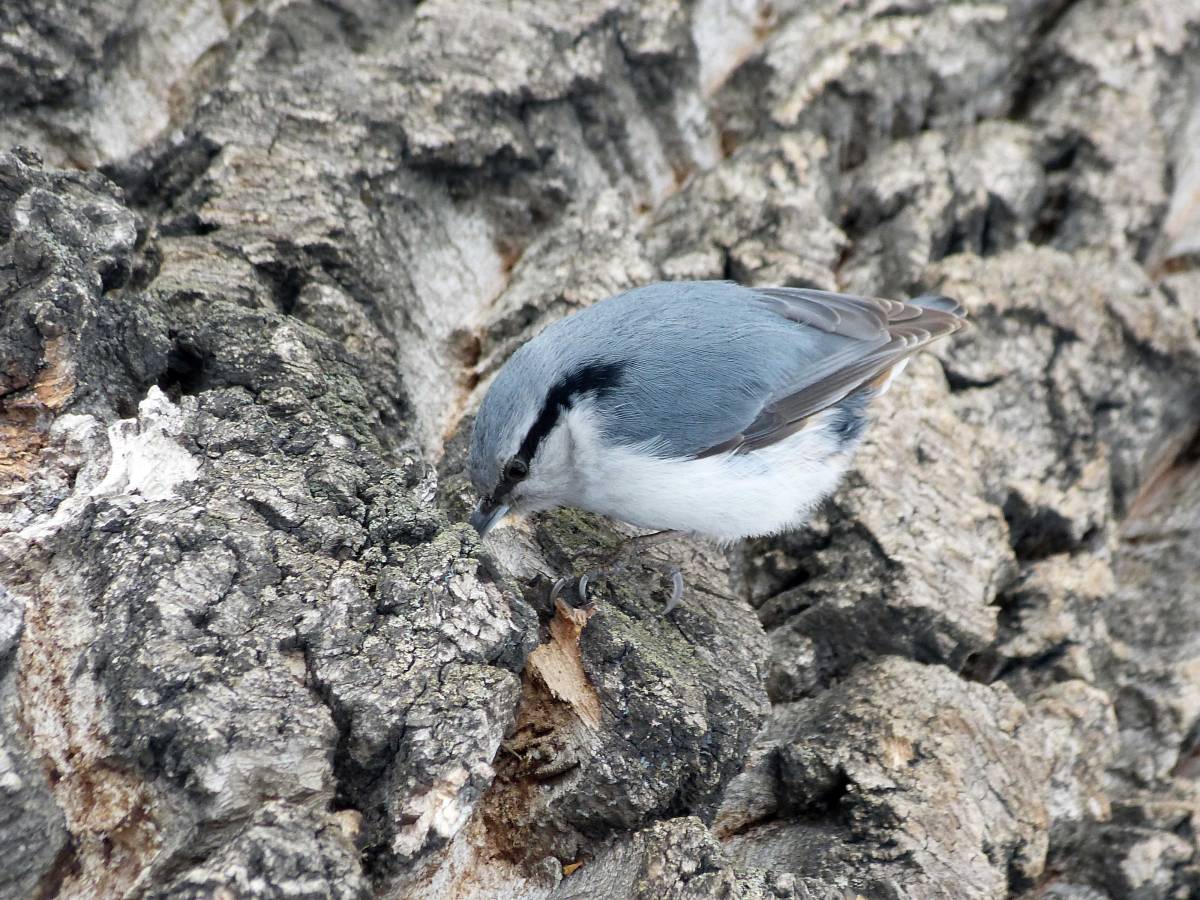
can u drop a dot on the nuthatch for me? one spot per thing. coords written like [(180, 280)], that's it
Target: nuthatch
[(701, 407)]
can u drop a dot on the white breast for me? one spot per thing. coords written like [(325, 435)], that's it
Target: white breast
[(725, 497)]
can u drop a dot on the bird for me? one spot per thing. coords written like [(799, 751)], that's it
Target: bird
[(704, 407)]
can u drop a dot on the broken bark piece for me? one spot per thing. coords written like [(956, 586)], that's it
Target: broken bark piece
[(559, 665)]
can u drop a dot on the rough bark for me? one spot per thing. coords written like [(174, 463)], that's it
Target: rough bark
[(257, 262)]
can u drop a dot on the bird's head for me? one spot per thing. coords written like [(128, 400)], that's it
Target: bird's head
[(523, 447)]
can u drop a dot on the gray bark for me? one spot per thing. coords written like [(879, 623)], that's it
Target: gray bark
[(257, 262)]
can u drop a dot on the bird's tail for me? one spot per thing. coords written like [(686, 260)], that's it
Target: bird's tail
[(938, 302), (941, 303)]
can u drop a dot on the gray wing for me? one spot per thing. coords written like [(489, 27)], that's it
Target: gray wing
[(883, 333)]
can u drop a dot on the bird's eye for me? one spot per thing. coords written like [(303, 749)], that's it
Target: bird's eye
[(516, 470)]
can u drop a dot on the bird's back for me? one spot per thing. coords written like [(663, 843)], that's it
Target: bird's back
[(701, 362), (698, 361)]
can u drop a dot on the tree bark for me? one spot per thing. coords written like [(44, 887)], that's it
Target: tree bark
[(257, 264)]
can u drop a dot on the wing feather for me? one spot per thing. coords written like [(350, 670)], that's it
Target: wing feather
[(882, 333)]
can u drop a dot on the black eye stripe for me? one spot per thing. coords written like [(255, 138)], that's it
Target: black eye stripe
[(596, 379)]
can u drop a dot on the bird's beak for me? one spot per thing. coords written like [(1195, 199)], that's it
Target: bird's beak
[(487, 516)]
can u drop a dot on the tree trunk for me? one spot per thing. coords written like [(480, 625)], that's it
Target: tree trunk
[(257, 261)]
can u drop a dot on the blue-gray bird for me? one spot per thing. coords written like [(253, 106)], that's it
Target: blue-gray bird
[(701, 407)]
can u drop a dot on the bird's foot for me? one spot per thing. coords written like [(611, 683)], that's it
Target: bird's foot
[(582, 583)]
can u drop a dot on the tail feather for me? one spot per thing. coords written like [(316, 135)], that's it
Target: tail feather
[(940, 302)]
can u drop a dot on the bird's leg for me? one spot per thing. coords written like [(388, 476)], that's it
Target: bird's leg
[(640, 542), (635, 546)]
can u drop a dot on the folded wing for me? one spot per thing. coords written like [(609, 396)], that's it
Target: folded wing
[(882, 333)]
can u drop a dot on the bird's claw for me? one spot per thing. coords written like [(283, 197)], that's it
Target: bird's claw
[(580, 589), (676, 592), (558, 588)]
